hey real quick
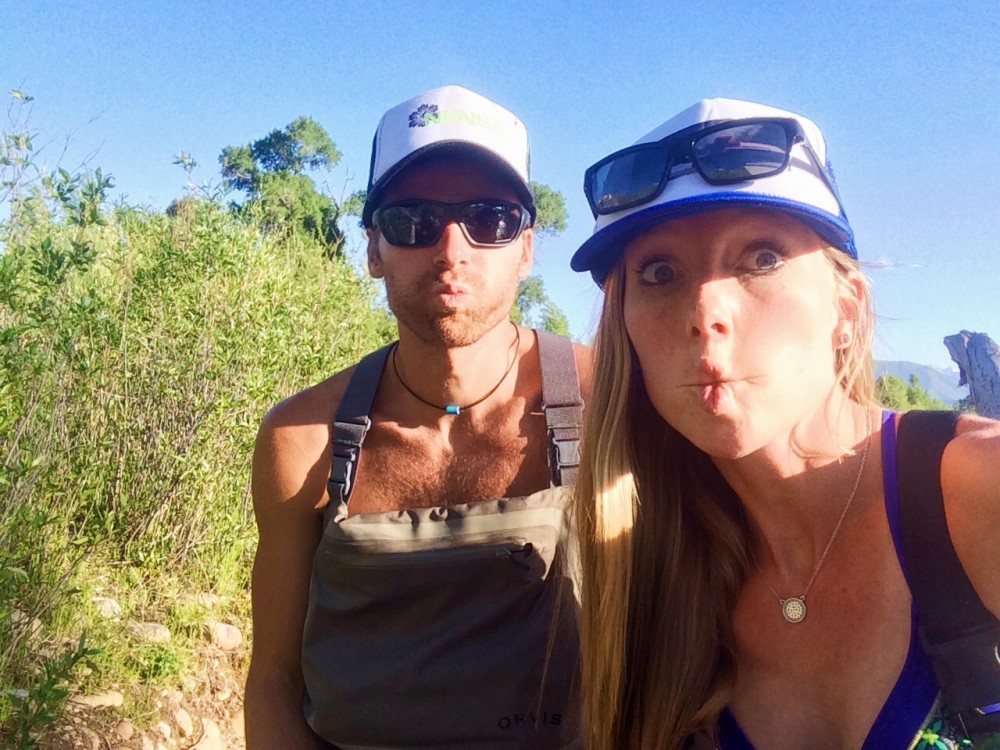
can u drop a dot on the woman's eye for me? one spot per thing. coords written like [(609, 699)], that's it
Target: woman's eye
[(657, 272), (766, 259)]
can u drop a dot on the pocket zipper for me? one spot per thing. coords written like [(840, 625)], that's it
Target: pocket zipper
[(517, 553)]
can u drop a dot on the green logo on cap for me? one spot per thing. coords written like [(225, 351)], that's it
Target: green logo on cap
[(430, 114)]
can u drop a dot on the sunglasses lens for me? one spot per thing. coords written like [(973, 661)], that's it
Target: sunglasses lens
[(492, 223), (419, 224), (415, 225), (627, 179), (742, 152)]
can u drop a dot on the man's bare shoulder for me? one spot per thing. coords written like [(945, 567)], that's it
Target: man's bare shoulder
[(315, 405), (584, 368), (290, 456)]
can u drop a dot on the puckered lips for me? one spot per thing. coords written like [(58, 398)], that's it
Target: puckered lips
[(714, 387), (450, 292)]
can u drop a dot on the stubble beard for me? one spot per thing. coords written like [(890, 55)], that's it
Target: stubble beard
[(450, 327)]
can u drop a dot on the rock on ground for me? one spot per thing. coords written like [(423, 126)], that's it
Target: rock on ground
[(225, 636), (150, 632)]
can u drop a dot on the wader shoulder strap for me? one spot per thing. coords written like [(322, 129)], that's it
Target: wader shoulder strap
[(563, 406), (957, 631), (561, 403), (351, 424)]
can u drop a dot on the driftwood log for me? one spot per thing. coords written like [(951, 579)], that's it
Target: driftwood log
[(978, 360)]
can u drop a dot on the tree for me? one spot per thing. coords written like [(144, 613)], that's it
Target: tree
[(354, 204), (533, 306), (891, 393), (271, 172), (239, 170), (551, 210), (894, 394), (532, 299), (303, 144)]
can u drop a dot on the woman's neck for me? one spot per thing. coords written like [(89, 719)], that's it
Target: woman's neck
[(795, 489)]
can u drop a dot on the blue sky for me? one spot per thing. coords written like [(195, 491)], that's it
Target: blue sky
[(907, 93)]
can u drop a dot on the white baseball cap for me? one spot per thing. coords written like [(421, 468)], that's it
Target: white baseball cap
[(804, 188), (450, 118)]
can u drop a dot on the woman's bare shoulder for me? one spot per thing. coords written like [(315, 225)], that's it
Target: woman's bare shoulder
[(972, 459), (970, 480)]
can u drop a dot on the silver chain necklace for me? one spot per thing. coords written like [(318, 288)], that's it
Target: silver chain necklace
[(793, 609)]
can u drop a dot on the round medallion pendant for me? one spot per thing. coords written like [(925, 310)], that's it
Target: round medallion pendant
[(794, 609)]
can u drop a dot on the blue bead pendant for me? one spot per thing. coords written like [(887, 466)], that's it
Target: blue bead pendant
[(453, 409)]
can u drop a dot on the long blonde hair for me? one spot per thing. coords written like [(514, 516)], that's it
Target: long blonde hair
[(663, 545)]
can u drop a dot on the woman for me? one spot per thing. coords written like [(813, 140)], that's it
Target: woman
[(741, 581)]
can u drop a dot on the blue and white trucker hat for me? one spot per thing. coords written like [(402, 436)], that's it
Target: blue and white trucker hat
[(805, 188), (453, 119)]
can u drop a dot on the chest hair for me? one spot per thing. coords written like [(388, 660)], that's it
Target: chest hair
[(421, 466)]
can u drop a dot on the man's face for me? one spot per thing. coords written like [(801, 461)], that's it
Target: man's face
[(452, 292)]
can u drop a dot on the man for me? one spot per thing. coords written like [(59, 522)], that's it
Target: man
[(397, 602)]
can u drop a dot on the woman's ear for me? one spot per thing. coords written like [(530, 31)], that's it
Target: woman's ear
[(844, 339), (851, 297)]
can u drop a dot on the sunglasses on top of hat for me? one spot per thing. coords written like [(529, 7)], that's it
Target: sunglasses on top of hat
[(723, 153), (420, 223)]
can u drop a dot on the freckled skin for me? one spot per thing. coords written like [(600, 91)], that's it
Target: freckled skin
[(451, 293), (733, 316)]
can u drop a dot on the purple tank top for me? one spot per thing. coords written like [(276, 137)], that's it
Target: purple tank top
[(911, 701)]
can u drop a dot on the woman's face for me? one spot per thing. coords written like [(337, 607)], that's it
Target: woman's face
[(735, 316)]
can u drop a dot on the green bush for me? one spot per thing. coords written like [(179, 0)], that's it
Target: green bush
[(138, 353)]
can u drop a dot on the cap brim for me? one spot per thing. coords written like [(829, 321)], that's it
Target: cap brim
[(600, 253), (460, 148)]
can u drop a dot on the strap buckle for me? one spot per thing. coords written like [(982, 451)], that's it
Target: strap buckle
[(968, 671), (346, 451), (564, 453)]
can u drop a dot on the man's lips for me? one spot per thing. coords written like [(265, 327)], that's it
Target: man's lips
[(451, 296), (449, 286)]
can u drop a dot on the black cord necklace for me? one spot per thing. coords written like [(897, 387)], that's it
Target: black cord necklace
[(455, 409)]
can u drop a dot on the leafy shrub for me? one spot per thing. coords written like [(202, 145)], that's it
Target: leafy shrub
[(138, 353)]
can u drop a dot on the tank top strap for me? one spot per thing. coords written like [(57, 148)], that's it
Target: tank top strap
[(913, 696), (890, 488)]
